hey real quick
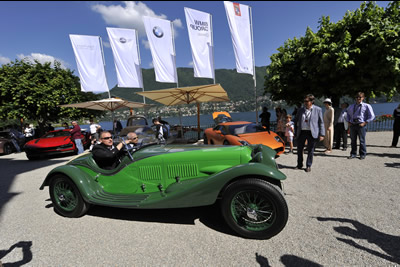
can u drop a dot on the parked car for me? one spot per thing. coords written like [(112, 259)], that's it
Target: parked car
[(6, 141), (145, 132), (139, 125), (53, 143), (228, 132), (245, 180)]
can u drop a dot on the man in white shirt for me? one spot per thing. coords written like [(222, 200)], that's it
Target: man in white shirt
[(341, 127), (310, 127)]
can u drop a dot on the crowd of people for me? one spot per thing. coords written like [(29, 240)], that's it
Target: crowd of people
[(311, 125)]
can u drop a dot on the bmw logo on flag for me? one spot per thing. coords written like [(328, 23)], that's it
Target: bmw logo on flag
[(158, 32), (122, 40)]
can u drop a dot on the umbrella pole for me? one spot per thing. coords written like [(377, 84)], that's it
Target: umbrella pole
[(198, 121), (112, 119), (180, 121)]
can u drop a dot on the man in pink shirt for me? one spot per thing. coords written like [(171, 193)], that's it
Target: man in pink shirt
[(76, 136)]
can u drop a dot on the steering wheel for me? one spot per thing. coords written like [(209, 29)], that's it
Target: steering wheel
[(127, 148)]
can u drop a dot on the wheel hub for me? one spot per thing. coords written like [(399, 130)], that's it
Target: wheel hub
[(61, 197), (251, 213)]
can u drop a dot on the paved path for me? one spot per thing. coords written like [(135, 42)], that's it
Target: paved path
[(343, 213)]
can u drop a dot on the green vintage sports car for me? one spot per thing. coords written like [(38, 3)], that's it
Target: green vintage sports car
[(244, 179)]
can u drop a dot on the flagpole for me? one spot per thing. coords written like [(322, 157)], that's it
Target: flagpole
[(104, 65), (140, 63), (176, 73), (254, 64), (212, 45)]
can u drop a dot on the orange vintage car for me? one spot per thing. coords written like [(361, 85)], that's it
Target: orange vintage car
[(228, 132)]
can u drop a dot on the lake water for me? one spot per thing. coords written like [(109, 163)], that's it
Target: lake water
[(206, 119)]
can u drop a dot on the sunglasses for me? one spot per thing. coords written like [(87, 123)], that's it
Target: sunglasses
[(134, 138), (106, 138)]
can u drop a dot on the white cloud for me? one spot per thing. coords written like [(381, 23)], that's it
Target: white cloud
[(130, 15), (191, 64), (42, 58), (106, 44), (4, 60), (146, 43), (177, 23)]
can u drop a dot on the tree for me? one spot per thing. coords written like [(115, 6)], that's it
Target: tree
[(361, 52), (34, 91)]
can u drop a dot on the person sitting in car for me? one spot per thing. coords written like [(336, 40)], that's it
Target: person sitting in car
[(106, 154), (134, 145)]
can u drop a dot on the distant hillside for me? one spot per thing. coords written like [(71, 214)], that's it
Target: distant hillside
[(239, 86)]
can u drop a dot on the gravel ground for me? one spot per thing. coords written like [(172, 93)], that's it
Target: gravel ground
[(343, 213)]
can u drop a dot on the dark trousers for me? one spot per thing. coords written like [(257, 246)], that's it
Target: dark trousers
[(396, 133), (357, 130), (340, 133), (311, 143)]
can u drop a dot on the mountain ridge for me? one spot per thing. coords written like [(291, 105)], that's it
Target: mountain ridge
[(238, 86)]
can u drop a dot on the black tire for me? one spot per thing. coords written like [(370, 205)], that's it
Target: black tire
[(66, 198), (7, 149), (226, 143), (205, 140), (254, 208)]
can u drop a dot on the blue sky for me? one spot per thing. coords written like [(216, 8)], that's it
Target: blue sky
[(40, 29)]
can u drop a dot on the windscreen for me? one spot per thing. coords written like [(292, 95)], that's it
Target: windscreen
[(57, 134), (245, 129)]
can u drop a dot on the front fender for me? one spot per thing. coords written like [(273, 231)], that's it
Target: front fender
[(85, 183)]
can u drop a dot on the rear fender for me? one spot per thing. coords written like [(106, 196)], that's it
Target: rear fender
[(207, 191)]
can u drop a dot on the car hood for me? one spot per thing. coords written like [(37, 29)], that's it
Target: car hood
[(215, 155), (217, 152), (259, 138), (49, 142)]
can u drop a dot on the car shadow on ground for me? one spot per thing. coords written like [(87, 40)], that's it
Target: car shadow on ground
[(12, 167), (26, 254), (390, 244), (210, 216)]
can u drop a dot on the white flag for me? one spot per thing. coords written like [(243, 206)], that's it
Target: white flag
[(200, 36), (126, 57), (239, 24), (89, 60), (159, 33)]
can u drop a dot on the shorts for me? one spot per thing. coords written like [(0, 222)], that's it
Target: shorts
[(289, 138)]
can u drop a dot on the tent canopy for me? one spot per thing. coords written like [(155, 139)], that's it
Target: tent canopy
[(109, 104), (187, 95)]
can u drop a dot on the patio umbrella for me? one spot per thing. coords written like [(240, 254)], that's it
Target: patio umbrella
[(186, 95), (109, 104)]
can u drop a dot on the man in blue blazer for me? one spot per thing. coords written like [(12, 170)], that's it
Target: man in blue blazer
[(310, 127)]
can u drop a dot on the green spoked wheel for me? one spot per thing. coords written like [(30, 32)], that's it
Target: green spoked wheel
[(254, 208), (66, 197)]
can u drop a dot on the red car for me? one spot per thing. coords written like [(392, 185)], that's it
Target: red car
[(54, 143)]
